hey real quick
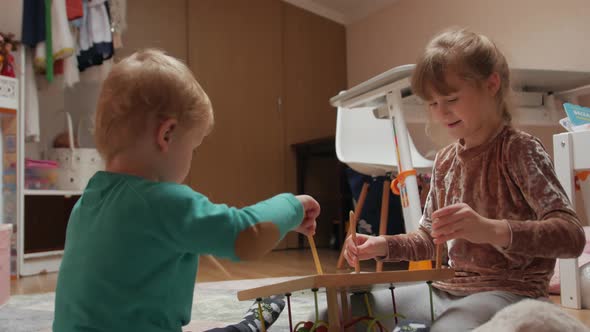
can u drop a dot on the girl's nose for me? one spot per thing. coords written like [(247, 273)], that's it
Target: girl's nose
[(442, 109)]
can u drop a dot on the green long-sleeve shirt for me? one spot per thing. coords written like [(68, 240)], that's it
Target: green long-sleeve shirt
[(132, 250)]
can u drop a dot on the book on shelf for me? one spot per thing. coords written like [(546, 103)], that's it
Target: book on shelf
[(578, 118)]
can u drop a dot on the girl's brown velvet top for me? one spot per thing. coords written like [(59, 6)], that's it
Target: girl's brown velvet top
[(511, 178)]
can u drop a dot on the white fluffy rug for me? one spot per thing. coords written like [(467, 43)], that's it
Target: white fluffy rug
[(533, 316), (215, 304)]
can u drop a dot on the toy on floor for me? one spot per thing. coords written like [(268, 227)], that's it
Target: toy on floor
[(357, 266), (309, 326), (338, 287)]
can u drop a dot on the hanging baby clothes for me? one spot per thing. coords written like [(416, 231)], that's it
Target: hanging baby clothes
[(32, 130), (75, 9), (95, 37), (62, 43), (33, 28), (97, 73), (33, 32), (48, 43), (71, 71), (75, 17)]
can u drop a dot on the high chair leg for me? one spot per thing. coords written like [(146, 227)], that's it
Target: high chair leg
[(384, 215)]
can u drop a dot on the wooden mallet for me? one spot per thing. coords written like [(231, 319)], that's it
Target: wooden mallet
[(314, 252), (352, 231)]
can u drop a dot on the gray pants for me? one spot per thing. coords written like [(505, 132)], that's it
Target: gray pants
[(451, 313)]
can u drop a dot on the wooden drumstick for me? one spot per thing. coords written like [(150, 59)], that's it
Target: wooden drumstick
[(357, 266), (439, 249), (357, 211), (218, 265), (314, 252)]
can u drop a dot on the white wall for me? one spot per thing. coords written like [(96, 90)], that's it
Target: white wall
[(79, 101), (11, 14), (534, 34), (539, 34)]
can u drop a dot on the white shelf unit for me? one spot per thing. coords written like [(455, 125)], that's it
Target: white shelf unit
[(10, 105), (30, 263), (64, 193), (571, 154), (44, 254)]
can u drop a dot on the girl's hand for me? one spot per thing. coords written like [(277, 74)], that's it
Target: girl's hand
[(460, 221), (366, 247), (311, 210)]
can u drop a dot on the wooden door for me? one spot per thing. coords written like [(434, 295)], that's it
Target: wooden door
[(314, 70), (235, 53), (156, 24), (314, 64)]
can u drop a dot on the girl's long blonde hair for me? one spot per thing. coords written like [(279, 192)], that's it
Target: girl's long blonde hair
[(471, 56)]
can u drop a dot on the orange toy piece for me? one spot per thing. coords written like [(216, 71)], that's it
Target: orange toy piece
[(399, 181)]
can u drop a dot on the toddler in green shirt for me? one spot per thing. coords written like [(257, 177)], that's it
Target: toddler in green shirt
[(134, 237)]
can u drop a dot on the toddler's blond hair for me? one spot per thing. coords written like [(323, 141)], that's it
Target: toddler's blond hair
[(147, 84)]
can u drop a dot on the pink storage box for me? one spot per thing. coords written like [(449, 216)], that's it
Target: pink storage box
[(5, 233), (40, 174)]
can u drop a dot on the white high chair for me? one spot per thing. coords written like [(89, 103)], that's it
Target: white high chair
[(366, 143), (375, 146)]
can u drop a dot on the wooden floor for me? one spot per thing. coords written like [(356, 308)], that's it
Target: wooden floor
[(276, 264), (281, 263)]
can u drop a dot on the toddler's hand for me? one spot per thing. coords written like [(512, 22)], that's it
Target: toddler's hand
[(311, 210), (366, 247)]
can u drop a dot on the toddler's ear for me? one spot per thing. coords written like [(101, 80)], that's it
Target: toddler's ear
[(165, 134)]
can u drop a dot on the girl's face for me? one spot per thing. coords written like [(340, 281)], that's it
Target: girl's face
[(470, 112)]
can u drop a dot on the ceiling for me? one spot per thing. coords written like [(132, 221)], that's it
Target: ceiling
[(342, 11)]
